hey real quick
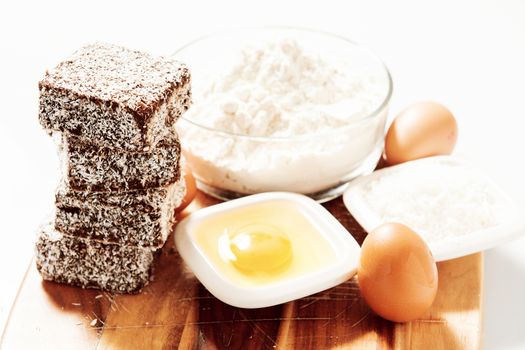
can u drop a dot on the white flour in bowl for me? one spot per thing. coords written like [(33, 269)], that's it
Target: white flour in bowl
[(280, 91)]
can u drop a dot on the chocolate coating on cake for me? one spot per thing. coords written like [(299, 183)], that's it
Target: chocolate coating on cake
[(140, 218), (92, 264), (113, 96), (90, 168)]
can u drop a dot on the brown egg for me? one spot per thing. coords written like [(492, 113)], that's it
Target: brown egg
[(421, 130), (191, 188), (397, 274)]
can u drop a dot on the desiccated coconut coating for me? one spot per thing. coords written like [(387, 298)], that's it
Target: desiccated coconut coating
[(140, 218), (112, 96), (92, 264), (90, 168)]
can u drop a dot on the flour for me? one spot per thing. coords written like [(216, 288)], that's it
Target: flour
[(310, 110)]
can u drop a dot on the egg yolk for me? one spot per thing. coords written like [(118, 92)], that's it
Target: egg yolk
[(260, 248)]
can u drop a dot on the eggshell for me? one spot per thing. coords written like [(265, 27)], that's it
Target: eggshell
[(397, 274), (421, 130), (191, 188)]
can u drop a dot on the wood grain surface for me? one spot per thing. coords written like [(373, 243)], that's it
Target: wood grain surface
[(176, 311)]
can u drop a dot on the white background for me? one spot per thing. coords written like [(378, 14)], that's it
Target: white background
[(469, 55)]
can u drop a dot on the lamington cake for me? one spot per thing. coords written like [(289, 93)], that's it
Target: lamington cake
[(90, 168), (115, 97), (113, 111), (141, 218), (92, 264)]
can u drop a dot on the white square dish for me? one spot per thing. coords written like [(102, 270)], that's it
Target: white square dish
[(446, 247), (221, 285)]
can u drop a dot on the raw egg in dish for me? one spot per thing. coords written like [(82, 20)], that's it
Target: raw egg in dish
[(266, 249), (258, 248), (397, 274), (263, 243), (421, 130)]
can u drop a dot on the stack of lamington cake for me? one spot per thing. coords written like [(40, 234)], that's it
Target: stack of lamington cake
[(113, 111)]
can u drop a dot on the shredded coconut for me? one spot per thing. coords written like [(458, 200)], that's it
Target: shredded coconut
[(438, 201), (280, 89), (111, 96)]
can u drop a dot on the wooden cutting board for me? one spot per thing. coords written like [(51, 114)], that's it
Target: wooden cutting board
[(176, 311)]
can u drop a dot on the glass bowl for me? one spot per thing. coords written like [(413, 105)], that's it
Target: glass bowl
[(230, 164)]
